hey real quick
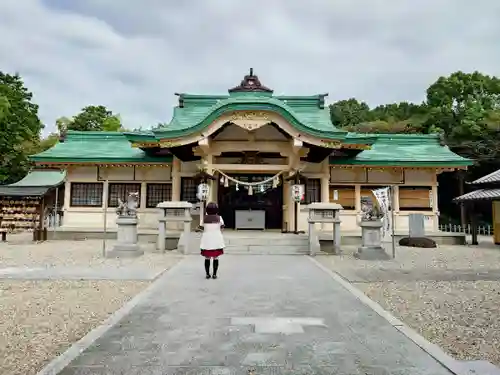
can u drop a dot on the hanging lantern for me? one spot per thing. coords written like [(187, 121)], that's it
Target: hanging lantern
[(203, 192), (298, 193), (250, 190), (261, 188), (237, 187)]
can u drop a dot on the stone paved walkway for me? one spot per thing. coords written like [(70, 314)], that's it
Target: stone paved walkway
[(266, 314)]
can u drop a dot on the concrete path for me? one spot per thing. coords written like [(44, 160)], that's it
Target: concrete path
[(79, 273), (264, 315)]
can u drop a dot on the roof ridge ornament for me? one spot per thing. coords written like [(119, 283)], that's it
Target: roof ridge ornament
[(250, 83)]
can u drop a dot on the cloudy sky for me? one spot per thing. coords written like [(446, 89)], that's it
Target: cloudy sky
[(133, 55)]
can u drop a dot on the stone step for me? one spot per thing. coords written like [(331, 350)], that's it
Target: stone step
[(279, 241), (260, 249), (258, 243)]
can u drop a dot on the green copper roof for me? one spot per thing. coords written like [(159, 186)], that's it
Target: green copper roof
[(306, 113), (41, 178), (405, 150), (35, 183), (96, 147)]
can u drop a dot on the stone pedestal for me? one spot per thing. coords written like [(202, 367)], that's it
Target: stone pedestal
[(371, 241), (324, 213), (174, 212), (127, 240)]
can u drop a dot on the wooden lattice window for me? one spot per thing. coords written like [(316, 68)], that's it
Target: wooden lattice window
[(86, 194), (121, 191), (188, 190), (415, 198), (313, 190), (157, 193), (346, 196)]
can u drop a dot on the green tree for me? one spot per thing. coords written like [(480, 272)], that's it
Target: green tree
[(19, 124), (112, 124), (4, 106), (349, 112), (95, 118), (465, 107), (63, 123)]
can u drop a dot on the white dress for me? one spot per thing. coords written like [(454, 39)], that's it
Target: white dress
[(212, 238)]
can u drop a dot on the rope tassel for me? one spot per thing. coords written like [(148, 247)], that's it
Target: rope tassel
[(250, 190)]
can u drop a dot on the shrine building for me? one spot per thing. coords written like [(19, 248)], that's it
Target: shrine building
[(253, 144)]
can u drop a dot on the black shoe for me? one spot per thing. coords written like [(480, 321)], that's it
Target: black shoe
[(214, 276), (208, 276)]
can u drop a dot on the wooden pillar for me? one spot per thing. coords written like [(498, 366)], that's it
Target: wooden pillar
[(395, 202), (176, 179), (396, 198), (67, 194), (473, 219), (143, 196), (461, 191), (325, 182), (105, 193), (357, 197)]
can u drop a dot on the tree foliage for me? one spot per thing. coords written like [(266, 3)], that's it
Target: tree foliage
[(92, 118), (19, 125), (356, 116), (464, 107)]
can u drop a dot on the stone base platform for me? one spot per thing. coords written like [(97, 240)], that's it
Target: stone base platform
[(371, 253), (121, 250)]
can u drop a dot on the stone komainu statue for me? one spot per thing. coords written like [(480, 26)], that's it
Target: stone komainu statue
[(371, 212), (128, 208)]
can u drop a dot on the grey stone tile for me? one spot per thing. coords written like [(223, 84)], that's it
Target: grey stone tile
[(304, 323)]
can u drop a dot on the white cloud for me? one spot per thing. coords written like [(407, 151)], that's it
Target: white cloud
[(132, 56)]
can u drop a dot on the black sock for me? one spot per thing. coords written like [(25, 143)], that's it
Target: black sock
[(216, 266), (207, 266)]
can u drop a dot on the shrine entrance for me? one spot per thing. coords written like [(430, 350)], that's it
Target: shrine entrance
[(260, 208)]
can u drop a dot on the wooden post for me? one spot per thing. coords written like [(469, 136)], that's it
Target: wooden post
[(461, 191), (473, 225)]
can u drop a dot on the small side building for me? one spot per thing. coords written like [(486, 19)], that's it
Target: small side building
[(488, 190), (27, 204)]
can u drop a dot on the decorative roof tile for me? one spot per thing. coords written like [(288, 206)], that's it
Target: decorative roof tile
[(481, 194), (488, 179)]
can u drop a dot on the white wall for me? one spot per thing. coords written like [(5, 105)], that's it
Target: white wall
[(93, 217)]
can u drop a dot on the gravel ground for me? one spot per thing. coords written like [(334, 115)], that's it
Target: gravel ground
[(41, 319), (86, 253), (460, 316)]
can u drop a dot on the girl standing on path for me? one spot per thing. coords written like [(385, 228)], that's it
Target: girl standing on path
[(212, 242)]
